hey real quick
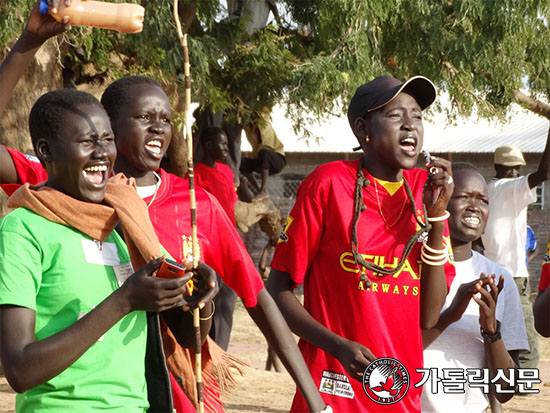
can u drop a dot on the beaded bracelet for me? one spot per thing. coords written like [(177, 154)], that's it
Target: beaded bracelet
[(446, 215)]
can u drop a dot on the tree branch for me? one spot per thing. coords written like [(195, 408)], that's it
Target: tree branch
[(540, 108)]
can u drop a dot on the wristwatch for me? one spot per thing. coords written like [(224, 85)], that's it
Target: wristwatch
[(491, 338)]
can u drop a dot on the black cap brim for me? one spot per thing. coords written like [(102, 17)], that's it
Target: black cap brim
[(421, 88)]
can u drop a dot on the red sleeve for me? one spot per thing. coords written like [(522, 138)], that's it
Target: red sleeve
[(299, 242), (545, 272), (29, 169), (228, 256)]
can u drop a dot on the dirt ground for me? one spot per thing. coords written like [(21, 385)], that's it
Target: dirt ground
[(266, 391), (270, 392)]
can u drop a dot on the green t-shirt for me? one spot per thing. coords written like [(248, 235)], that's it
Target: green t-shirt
[(63, 274)]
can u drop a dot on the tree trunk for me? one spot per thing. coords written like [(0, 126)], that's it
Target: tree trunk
[(540, 108)]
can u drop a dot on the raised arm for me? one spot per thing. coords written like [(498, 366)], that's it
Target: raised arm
[(40, 28), (433, 284), (274, 327), (543, 172), (8, 173), (21, 352)]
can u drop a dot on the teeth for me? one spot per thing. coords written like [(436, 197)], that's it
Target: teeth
[(409, 140), (154, 146), (96, 168), (155, 143), (472, 220)]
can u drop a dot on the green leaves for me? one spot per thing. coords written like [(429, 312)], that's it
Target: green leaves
[(480, 51)]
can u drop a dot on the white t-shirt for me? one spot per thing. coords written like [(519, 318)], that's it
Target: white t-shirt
[(461, 346), (506, 232)]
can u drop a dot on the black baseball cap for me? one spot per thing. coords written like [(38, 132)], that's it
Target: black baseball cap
[(382, 90)]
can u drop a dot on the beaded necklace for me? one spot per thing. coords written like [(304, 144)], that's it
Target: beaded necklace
[(359, 207)]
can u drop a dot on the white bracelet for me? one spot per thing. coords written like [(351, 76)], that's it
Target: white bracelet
[(443, 251), (438, 258), (436, 255), (327, 409), (426, 260), (443, 217), (433, 263)]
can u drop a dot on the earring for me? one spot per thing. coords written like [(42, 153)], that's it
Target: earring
[(367, 139)]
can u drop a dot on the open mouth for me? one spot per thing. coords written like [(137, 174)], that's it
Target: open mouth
[(408, 145), (95, 174), (472, 222), (154, 147)]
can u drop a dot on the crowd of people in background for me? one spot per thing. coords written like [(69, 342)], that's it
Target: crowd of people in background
[(397, 262)]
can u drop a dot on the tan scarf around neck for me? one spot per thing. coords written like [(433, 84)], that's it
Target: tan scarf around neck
[(97, 220)]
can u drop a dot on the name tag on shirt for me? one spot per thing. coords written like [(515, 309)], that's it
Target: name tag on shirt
[(122, 272), (105, 254)]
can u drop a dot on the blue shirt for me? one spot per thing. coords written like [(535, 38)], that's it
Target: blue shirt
[(531, 243)]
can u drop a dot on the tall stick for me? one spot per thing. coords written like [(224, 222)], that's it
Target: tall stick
[(194, 240)]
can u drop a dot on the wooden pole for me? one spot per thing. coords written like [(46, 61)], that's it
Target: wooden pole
[(192, 201)]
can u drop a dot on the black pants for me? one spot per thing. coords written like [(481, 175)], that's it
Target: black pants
[(267, 159)]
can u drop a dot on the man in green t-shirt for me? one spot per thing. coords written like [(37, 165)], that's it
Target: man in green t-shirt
[(73, 324)]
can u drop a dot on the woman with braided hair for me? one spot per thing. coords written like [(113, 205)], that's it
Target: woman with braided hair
[(368, 239)]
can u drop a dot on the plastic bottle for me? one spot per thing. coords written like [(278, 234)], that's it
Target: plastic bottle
[(124, 17)]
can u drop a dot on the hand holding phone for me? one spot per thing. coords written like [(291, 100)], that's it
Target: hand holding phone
[(172, 269)]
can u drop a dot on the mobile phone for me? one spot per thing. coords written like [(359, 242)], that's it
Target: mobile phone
[(171, 269), (433, 169), (427, 156)]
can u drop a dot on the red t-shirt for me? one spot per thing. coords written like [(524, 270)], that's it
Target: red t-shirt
[(315, 249), (220, 244), (28, 168), (544, 282), (219, 182)]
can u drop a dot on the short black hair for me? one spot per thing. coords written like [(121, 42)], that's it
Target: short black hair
[(458, 166), (117, 93), (210, 133), (48, 112)]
